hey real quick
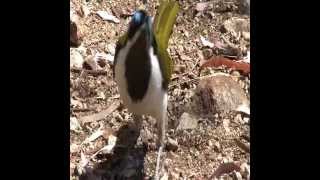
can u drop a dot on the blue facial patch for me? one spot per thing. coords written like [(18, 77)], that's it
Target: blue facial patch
[(138, 17)]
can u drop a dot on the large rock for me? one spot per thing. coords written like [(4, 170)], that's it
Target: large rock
[(219, 93)]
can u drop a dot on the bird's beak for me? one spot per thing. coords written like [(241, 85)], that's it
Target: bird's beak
[(147, 27)]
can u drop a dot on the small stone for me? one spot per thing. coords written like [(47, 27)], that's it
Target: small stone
[(187, 122), (210, 143), (186, 33), (172, 155), (202, 6), (212, 157), (101, 95), (196, 153), (76, 59), (75, 34), (246, 120), (74, 148), (172, 144), (246, 36), (179, 68), (185, 57), (217, 146), (236, 73), (74, 124), (174, 176), (237, 175), (226, 123), (238, 118), (226, 160), (165, 176), (207, 53), (245, 170)]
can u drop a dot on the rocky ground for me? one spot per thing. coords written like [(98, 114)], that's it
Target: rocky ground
[(208, 134)]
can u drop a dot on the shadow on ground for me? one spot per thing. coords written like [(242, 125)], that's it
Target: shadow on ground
[(127, 160)]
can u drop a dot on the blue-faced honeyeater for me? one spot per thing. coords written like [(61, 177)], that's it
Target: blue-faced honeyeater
[(143, 67)]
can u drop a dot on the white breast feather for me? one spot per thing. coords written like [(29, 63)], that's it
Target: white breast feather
[(154, 102)]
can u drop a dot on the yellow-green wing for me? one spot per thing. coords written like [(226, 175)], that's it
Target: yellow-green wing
[(163, 25), (164, 21)]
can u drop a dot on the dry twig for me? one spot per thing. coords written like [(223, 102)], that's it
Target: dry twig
[(100, 115)]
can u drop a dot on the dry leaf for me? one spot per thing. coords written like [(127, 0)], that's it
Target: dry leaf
[(108, 17), (112, 140), (85, 11), (104, 57), (82, 166), (202, 6), (101, 95), (94, 136), (243, 146), (219, 61), (100, 59), (206, 42), (245, 108), (74, 124), (90, 63), (100, 115), (75, 103)]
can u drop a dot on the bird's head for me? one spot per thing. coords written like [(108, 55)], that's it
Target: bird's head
[(140, 23)]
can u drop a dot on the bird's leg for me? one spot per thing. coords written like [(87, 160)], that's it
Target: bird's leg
[(158, 163), (161, 125)]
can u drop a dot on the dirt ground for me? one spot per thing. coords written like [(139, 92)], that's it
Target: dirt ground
[(103, 144)]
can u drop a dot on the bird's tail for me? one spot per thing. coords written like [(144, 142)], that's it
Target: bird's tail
[(164, 21)]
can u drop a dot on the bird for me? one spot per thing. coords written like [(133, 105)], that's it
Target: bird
[(143, 67)]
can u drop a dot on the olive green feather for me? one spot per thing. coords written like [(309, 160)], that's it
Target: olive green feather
[(162, 26)]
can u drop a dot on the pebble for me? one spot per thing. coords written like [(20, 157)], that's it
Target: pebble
[(237, 175), (187, 122), (217, 146), (172, 144)]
